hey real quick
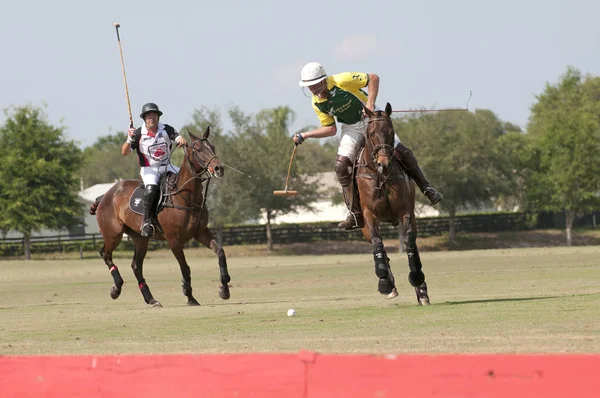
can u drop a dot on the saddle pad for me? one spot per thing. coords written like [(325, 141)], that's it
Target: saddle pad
[(136, 202)]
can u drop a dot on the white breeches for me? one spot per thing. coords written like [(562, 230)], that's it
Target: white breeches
[(151, 175), (353, 136)]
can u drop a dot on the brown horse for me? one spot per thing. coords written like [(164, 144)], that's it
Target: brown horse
[(387, 194), (183, 217)]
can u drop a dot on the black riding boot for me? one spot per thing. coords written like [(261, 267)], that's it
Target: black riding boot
[(355, 217), (150, 196), (407, 159)]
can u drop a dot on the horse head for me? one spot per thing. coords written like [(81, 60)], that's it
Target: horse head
[(380, 137), (201, 157)]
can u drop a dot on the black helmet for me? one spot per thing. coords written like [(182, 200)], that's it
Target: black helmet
[(150, 107)]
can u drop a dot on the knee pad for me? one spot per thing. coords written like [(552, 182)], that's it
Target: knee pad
[(343, 170), (151, 188)]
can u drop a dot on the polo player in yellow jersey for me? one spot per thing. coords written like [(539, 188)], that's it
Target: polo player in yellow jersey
[(341, 97)]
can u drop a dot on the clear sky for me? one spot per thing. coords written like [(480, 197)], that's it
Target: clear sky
[(187, 54)]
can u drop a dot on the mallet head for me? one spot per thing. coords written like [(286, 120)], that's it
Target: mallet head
[(285, 193), (116, 24)]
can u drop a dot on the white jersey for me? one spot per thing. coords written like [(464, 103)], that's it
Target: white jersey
[(154, 149)]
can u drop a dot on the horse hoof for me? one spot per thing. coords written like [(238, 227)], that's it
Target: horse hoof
[(386, 286), (224, 292), (155, 303), (422, 296), (115, 293), (393, 294), (193, 302)]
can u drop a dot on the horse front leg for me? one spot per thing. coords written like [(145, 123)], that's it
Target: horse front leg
[(386, 285), (416, 277), (141, 248), (186, 272), (207, 239)]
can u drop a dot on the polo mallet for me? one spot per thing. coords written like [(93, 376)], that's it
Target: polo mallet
[(285, 191), (117, 26)]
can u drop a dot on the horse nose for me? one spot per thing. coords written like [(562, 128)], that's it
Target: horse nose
[(380, 167), (219, 170)]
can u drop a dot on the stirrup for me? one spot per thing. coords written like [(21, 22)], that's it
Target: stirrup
[(147, 230), (353, 221)]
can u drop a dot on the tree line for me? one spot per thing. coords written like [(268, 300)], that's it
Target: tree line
[(473, 157)]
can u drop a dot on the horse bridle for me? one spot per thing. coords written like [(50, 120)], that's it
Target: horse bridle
[(376, 148), (203, 165), (196, 174)]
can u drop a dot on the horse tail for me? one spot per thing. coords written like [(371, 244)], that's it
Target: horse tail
[(94, 206)]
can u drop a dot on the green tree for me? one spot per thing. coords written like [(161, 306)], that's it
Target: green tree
[(271, 139), (457, 151), (565, 130), (318, 155), (520, 160), (227, 196), (104, 163), (38, 175), (260, 147)]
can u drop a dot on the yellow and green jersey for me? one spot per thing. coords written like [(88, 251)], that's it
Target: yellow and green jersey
[(344, 100)]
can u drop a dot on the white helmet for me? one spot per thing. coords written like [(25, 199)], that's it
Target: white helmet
[(312, 73)]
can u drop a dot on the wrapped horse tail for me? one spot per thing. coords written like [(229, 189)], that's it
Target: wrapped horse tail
[(94, 206)]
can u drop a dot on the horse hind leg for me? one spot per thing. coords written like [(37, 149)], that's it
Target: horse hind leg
[(186, 273), (416, 277), (207, 239), (106, 254)]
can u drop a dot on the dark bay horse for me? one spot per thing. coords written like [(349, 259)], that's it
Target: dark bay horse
[(387, 194), (183, 218)]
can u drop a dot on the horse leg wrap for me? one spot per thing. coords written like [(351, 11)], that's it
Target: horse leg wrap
[(186, 286), (385, 286), (381, 265), (225, 278), (114, 271), (146, 292), (386, 283), (416, 276)]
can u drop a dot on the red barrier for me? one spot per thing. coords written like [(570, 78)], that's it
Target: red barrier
[(307, 375)]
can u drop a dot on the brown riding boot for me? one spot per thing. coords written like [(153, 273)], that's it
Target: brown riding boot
[(355, 218), (407, 159)]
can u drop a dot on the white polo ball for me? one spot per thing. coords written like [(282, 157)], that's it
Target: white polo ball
[(291, 312)]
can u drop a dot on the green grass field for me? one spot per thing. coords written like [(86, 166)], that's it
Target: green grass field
[(488, 301)]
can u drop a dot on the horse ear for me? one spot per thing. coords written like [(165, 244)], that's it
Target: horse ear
[(206, 133), (388, 109), (369, 113), (192, 136)]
